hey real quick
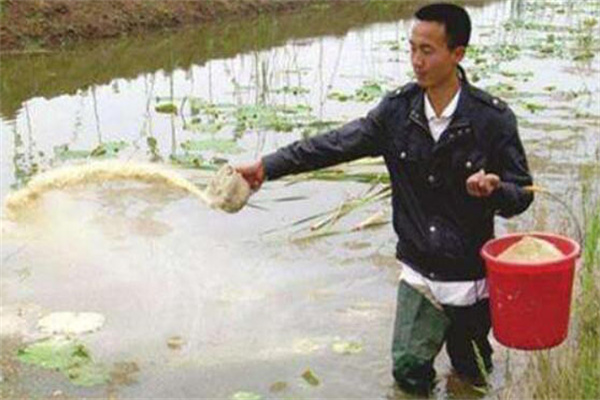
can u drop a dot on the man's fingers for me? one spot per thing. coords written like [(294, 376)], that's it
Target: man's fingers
[(254, 174), (255, 184), (494, 180), (485, 187), (481, 184), (253, 181), (474, 190), (472, 186), (474, 183)]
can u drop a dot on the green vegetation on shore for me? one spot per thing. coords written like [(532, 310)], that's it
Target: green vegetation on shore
[(575, 373), (572, 371)]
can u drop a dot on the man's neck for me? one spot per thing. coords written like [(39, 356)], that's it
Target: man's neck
[(441, 96)]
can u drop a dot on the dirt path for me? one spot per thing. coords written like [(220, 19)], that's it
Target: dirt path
[(33, 25)]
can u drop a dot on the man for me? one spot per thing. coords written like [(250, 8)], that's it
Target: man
[(455, 160)]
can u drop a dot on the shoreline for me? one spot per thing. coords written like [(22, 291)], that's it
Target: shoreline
[(39, 26)]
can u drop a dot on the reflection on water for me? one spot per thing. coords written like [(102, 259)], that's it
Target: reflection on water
[(254, 310)]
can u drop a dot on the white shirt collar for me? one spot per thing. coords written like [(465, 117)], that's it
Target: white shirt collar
[(448, 111)]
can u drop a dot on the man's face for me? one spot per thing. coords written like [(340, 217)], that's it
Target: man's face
[(432, 61)]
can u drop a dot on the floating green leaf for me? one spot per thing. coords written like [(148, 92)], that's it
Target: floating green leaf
[(533, 107), (68, 357), (278, 386), (64, 153), (501, 89), (583, 56), (293, 90), (167, 108), (370, 91), (187, 160), (342, 347), (278, 119), (216, 145), (89, 374), (103, 150), (246, 396), (212, 127), (311, 378), (214, 118), (339, 96), (108, 149)]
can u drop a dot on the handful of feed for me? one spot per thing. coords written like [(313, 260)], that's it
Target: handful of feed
[(530, 249), (227, 190)]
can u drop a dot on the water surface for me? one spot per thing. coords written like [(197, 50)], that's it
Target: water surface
[(252, 308)]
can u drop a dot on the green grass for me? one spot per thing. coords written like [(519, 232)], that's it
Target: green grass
[(572, 371)]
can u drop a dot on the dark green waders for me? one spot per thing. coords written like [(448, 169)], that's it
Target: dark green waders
[(420, 331)]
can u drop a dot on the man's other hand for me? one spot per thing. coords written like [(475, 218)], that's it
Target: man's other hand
[(253, 173), (481, 184)]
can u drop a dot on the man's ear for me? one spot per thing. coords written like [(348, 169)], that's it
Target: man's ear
[(459, 53)]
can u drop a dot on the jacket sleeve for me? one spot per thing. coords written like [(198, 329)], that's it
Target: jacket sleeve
[(510, 198), (356, 139)]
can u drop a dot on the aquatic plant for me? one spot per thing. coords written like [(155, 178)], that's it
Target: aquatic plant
[(309, 376), (587, 40), (103, 150), (246, 396), (68, 357), (347, 347), (368, 92), (215, 118), (293, 90), (168, 108), (221, 146)]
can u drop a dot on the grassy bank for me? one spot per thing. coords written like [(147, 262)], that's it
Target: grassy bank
[(33, 25), (572, 371)]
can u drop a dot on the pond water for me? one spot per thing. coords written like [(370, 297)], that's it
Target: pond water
[(251, 306)]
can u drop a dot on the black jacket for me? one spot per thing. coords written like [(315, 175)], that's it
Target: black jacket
[(440, 227)]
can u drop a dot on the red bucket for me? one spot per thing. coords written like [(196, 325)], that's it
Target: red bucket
[(530, 302)]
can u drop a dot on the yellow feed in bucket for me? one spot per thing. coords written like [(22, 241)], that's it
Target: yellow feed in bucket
[(232, 196), (530, 250)]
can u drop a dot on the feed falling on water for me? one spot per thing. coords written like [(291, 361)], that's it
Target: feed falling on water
[(227, 190)]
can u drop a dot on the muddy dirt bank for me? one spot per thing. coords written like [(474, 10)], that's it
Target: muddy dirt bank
[(33, 25)]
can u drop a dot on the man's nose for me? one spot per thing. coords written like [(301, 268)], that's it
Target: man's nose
[(416, 59)]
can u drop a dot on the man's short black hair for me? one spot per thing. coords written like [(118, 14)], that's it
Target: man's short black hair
[(454, 18)]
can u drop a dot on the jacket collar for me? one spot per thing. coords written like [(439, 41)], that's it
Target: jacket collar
[(461, 115), (463, 109), (447, 112), (416, 113)]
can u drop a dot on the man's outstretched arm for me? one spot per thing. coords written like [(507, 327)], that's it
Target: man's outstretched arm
[(359, 138)]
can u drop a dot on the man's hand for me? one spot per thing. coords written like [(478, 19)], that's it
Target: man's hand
[(253, 173), (481, 184)]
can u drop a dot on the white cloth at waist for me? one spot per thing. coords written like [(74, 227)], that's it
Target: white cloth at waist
[(455, 293)]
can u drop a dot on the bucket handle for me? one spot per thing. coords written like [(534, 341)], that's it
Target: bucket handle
[(540, 189)]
